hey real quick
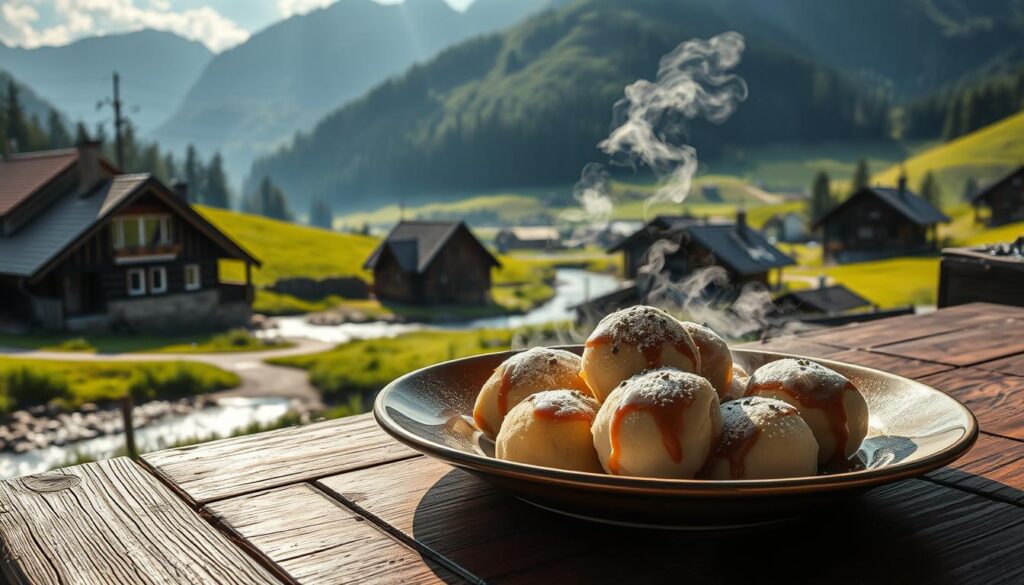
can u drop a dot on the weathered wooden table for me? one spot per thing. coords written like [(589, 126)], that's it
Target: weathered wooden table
[(341, 502)]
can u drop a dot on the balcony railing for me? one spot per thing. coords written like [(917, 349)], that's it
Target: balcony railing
[(146, 253)]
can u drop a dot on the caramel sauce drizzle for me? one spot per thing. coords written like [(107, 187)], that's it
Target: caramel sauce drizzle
[(833, 407), (651, 352), (737, 449), (667, 415)]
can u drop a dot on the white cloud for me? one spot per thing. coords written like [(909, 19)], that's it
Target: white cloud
[(20, 22), (290, 7)]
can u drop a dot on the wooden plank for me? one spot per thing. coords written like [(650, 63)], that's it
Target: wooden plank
[(906, 367), (909, 327), (233, 467), (112, 522), (994, 467), (965, 347), (997, 400), (793, 345), (926, 532), (318, 541), (1013, 365)]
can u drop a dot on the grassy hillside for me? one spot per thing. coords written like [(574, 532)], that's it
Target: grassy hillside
[(984, 155), (288, 249)]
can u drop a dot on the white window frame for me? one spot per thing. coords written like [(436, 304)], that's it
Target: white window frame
[(193, 277), (165, 229), (136, 292), (163, 280)]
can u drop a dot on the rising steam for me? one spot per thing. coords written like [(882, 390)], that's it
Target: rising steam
[(694, 81)]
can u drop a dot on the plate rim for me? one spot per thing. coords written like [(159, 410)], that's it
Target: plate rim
[(677, 487)]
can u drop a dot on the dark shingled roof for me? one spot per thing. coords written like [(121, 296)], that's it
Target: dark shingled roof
[(415, 244), (743, 249), (826, 299), (904, 201)]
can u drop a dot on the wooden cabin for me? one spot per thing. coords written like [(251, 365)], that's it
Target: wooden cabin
[(84, 247), (877, 222), (692, 243), (528, 238), (1002, 201), (432, 263), (785, 227)]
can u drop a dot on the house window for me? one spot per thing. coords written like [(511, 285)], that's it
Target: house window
[(136, 282), (139, 231), (157, 279), (192, 277), (866, 232)]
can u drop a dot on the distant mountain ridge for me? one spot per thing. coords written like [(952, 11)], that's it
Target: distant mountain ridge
[(255, 96), (156, 70), (32, 104), (526, 107)]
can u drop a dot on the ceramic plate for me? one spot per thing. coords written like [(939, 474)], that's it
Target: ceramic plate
[(913, 429)]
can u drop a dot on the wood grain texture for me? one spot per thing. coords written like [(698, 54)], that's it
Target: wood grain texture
[(965, 347), (910, 327), (906, 367), (997, 400), (112, 522), (1013, 365), (910, 532), (318, 541), (793, 345), (994, 467), (233, 467)]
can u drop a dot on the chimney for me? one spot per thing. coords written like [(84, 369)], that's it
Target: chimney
[(89, 173), (180, 189), (902, 184), (741, 219), (822, 281)]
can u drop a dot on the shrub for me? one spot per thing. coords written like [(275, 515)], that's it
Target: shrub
[(75, 344), (23, 386), (177, 380)]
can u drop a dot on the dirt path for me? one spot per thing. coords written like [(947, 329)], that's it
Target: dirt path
[(259, 379)]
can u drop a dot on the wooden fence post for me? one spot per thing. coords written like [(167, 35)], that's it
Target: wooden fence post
[(129, 429)]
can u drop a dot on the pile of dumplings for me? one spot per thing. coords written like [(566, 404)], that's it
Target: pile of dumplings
[(656, 397)]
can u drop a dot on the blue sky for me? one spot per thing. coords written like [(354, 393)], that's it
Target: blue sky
[(219, 24)]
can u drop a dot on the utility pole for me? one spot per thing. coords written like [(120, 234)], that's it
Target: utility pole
[(118, 121)]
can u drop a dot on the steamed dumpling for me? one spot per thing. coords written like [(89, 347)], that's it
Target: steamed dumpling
[(523, 374), (552, 429), (660, 423), (634, 340)]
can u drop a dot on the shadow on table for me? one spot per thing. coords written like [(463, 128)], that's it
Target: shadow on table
[(889, 534)]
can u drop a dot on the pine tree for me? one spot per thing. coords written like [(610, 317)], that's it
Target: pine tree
[(970, 188), (59, 135), (861, 176), (269, 201), (821, 196), (81, 134), (216, 191), (17, 126), (194, 174), (171, 167), (930, 189), (320, 214), (151, 162)]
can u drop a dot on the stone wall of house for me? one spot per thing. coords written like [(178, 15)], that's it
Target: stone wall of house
[(201, 309)]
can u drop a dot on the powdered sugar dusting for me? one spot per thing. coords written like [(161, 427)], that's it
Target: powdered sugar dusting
[(643, 326), (567, 404), (662, 387), (802, 376), (542, 367)]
